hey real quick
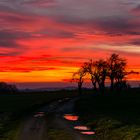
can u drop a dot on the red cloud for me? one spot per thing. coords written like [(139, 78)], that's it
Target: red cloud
[(51, 41)]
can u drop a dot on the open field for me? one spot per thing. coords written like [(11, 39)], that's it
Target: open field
[(24, 101), (14, 107), (113, 116)]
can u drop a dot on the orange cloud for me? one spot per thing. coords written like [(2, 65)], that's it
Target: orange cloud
[(48, 44)]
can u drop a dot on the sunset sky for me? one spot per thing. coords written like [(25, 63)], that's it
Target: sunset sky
[(47, 40)]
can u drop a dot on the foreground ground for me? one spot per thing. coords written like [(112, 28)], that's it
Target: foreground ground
[(14, 108), (114, 116), (52, 125)]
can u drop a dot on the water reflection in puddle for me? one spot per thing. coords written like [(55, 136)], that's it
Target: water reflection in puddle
[(81, 127), (71, 117), (88, 133), (39, 114)]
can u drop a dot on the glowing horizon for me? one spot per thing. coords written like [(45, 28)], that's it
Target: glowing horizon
[(46, 41)]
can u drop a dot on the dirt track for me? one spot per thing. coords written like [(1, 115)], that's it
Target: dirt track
[(36, 128)]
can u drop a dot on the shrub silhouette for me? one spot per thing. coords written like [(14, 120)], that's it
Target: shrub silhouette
[(7, 88)]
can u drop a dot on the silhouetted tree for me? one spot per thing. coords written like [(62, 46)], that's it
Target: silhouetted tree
[(116, 69), (97, 71), (79, 78), (7, 88), (101, 68), (89, 69)]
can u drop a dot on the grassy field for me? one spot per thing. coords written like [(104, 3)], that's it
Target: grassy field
[(24, 101), (113, 116), (14, 107)]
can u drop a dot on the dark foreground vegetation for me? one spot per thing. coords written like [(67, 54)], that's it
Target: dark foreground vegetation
[(114, 115), (16, 106)]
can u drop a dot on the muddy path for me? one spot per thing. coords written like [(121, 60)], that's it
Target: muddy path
[(49, 123)]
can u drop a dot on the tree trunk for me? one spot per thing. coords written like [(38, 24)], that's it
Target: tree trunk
[(100, 86), (112, 84), (80, 88), (103, 87), (94, 85)]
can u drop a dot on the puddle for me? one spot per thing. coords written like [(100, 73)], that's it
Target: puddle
[(71, 117), (88, 132), (84, 128), (39, 114)]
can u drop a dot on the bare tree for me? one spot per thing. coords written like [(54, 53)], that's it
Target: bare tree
[(78, 77), (101, 73), (116, 69), (97, 71), (113, 67), (89, 69)]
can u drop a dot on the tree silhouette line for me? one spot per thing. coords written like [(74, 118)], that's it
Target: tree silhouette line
[(113, 68), (7, 88)]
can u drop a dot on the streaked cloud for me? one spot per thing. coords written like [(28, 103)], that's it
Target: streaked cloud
[(40, 35)]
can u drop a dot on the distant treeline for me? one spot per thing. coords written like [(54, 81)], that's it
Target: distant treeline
[(7, 88), (112, 68)]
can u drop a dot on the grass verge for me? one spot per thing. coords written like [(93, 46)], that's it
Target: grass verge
[(112, 116)]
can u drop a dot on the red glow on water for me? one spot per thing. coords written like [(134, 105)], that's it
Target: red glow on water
[(71, 117), (81, 128), (88, 133)]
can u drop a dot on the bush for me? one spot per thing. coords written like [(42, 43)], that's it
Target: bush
[(7, 88)]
